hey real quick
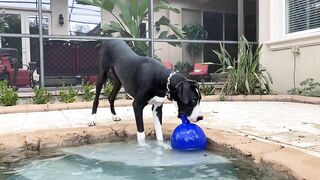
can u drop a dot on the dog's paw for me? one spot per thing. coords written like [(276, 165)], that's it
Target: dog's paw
[(116, 118), (91, 123), (163, 145), (92, 120), (143, 144)]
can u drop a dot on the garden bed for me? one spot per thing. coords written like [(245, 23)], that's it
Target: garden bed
[(22, 108)]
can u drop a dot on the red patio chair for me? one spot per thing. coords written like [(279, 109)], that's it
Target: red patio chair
[(199, 72), (167, 64), (20, 79)]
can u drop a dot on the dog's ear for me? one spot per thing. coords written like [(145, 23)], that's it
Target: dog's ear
[(183, 89)]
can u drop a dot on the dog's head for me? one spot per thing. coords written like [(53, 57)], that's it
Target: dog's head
[(188, 100)]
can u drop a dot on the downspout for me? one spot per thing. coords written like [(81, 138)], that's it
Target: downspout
[(295, 51)]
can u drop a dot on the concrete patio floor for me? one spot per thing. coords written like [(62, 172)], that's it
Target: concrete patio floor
[(294, 124)]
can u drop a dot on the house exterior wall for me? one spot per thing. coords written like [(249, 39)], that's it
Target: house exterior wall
[(277, 54), (57, 8)]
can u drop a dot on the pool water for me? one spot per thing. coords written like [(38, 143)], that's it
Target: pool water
[(126, 160)]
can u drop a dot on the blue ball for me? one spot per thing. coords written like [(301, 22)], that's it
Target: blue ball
[(188, 137)]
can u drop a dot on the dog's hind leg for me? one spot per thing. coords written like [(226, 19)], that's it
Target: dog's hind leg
[(115, 89), (101, 80), (157, 120)]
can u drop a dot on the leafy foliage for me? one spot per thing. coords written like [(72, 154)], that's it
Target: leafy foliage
[(207, 89), (41, 96), (246, 75), (67, 96), (107, 88), (182, 67), (88, 91), (8, 96), (132, 13), (308, 88), (195, 31), (3, 85), (2, 21)]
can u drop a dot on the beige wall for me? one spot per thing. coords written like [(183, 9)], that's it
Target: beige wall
[(277, 54), (59, 7), (190, 16)]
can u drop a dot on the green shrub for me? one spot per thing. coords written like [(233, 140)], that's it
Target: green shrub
[(244, 76), (41, 96), (3, 85), (67, 96), (88, 91), (182, 67), (207, 89), (8, 96), (308, 88), (108, 88)]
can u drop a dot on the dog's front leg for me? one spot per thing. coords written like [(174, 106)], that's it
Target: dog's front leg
[(138, 107), (157, 120)]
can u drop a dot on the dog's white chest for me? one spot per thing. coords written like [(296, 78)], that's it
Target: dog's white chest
[(157, 100)]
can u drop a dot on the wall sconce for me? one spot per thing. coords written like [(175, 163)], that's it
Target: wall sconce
[(157, 24), (61, 19)]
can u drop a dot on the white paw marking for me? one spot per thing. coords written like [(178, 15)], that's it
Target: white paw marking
[(141, 138), (163, 145), (115, 118), (143, 144), (92, 120)]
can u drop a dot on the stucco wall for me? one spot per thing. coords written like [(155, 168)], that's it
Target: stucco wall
[(277, 54), (59, 7)]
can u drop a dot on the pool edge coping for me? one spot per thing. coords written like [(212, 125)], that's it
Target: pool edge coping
[(26, 108)]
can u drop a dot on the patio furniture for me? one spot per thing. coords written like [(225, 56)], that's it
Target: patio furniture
[(200, 72), (87, 60), (59, 63), (70, 62), (167, 64), (16, 77)]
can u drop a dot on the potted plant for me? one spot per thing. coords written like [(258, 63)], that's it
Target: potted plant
[(183, 68), (194, 31)]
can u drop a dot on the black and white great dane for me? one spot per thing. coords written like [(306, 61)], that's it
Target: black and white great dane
[(147, 81)]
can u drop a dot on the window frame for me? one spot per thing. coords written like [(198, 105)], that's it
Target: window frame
[(286, 24)]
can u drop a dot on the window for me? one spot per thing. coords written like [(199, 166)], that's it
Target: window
[(25, 4), (303, 15), (83, 19)]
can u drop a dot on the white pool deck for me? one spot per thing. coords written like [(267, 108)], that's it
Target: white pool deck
[(294, 124)]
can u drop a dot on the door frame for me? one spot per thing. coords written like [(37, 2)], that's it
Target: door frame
[(25, 42)]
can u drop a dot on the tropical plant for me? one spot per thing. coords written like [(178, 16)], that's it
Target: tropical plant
[(8, 96), (130, 17), (67, 96), (107, 88), (2, 21), (194, 31), (41, 96), (182, 67), (308, 88), (88, 91), (246, 75)]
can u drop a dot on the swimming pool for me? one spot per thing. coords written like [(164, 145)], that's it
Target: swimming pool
[(126, 160)]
